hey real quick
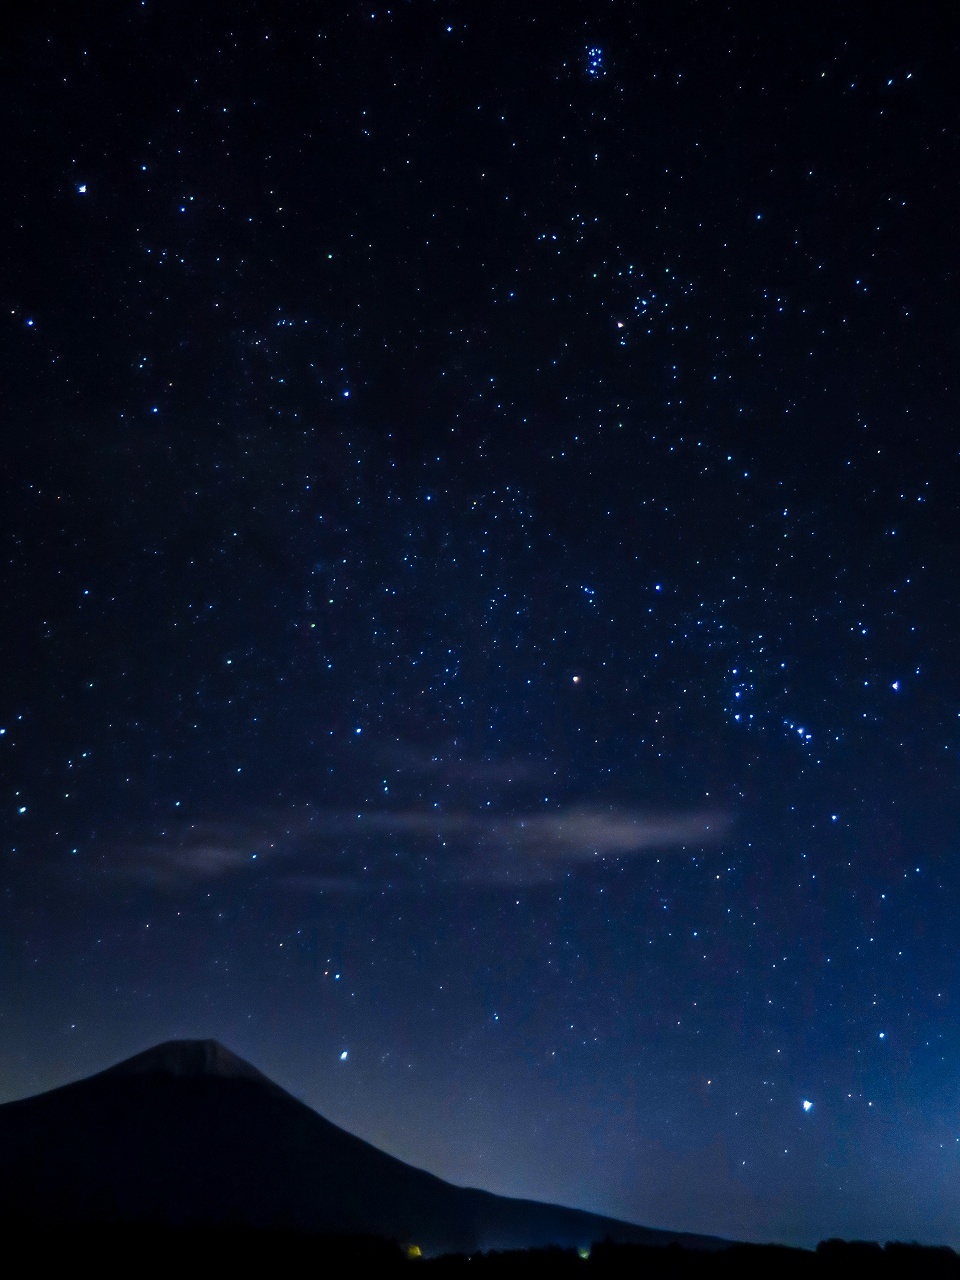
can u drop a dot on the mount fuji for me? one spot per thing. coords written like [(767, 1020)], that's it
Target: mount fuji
[(188, 1134)]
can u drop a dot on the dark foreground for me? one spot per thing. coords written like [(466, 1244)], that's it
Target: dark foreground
[(147, 1252)]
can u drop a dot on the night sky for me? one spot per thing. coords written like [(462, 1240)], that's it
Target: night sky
[(480, 623)]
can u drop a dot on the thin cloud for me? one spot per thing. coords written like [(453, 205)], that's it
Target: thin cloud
[(190, 851), (528, 848), (169, 864), (338, 852)]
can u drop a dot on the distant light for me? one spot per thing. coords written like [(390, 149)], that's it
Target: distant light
[(82, 188), (358, 731), (883, 1035), (576, 679), (29, 324), (346, 395), (22, 809), (807, 1104), (344, 1056), (896, 686)]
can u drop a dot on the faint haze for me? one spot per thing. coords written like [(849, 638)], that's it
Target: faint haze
[(335, 851)]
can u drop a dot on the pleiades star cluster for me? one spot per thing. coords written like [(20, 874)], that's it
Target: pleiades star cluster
[(479, 584)]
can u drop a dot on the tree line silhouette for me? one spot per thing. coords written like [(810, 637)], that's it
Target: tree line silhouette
[(153, 1251)]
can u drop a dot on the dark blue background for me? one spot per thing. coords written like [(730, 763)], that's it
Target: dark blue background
[(412, 418)]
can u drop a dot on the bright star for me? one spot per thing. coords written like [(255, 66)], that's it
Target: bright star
[(807, 1104)]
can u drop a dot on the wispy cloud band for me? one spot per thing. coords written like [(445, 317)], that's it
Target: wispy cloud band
[(335, 852)]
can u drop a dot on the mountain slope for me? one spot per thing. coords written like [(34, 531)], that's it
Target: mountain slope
[(189, 1133)]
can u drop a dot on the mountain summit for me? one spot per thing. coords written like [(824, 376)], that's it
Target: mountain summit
[(187, 1133), (188, 1059)]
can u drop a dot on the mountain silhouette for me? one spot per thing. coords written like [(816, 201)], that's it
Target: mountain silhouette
[(188, 1134)]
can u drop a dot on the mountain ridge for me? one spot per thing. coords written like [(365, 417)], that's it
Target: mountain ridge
[(187, 1133)]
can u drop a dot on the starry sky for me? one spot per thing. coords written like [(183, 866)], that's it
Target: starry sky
[(480, 623)]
